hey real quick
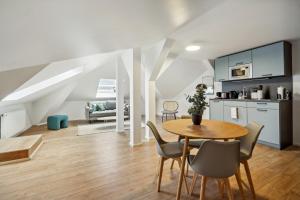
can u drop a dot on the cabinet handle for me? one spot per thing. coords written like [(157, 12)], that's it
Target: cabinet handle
[(266, 75), (239, 63), (262, 110), (222, 79), (262, 103)]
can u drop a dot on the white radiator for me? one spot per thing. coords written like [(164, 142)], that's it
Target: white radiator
[(13, 123)]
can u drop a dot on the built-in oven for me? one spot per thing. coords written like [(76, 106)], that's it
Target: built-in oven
[(243, 71)]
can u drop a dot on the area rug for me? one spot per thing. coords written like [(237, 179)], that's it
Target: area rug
[(103, 127)]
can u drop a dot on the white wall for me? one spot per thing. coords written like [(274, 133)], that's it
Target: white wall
[(74, 109), (190, 90), (296, 91)]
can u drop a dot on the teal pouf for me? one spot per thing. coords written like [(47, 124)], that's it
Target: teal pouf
[(56, 122)]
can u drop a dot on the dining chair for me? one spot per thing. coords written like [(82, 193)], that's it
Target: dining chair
[(248, 143), (169, 108), (216, 159), (193, 143), (166, 150)]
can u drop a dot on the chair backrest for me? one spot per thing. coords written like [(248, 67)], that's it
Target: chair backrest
[(170, 105), (248, 141), (217, 159), (159, 140)]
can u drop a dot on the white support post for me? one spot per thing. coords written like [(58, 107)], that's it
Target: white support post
[(119, 97), (135, 98), (150, 106)]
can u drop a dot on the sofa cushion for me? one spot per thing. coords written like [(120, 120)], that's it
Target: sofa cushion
[(110, 105)]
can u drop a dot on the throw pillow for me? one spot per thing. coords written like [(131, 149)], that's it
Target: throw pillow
[(101, 106), (98, 107)]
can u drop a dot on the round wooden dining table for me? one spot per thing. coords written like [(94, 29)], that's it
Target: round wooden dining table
[(209, 129)]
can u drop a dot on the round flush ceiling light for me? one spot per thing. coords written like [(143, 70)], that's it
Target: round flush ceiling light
[(192, 48)]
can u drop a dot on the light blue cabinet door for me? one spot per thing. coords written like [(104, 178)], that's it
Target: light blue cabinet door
[(221, 69), (270, 119), (241, 118), (268, 60), (240, 58), (216, 109)]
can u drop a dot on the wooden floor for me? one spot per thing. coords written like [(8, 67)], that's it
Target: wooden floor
[(103, 166)]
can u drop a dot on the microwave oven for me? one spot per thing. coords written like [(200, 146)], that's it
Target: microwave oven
[(243, 71)]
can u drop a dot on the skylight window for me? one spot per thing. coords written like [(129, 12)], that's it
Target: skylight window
[(106, 88)]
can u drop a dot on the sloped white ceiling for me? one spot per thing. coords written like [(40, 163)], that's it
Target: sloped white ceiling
[(238, 25), (87, 86), (36, 32), (178, 76)]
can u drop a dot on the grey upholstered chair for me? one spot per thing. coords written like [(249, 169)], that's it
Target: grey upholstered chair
[(169, 108), (193, 143), (166, 150), (248, 143), (215, 159)]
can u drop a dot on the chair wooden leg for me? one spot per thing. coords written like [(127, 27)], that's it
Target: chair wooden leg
[(174, 116), (162, 160), (221, 187), (202, 188), (249, 178), (172, 164), (229, 191), (239, 181), (195, 176), (187, 169), (184, 177), (157, 171), (162, 118)]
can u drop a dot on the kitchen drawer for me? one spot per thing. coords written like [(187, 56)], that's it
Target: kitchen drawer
[(235, 103), (266, 105)]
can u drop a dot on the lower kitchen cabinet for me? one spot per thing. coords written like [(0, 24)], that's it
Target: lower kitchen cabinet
[(275, 116), (216, 109), (270, 119), (241, 115)]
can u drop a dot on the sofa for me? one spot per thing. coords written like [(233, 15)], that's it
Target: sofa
[(98, 109)]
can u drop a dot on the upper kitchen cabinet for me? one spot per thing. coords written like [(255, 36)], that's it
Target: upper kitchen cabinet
[(272, 60), (240, 58), (221, 69)]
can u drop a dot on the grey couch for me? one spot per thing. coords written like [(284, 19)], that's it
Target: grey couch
[(97, 109)]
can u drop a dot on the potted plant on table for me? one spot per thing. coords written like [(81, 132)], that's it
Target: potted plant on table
[(198, 104)]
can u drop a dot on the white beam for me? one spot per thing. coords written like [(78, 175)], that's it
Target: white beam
[(150, 106), (135, 98), (164, 58), (165, 51), (119, 96)]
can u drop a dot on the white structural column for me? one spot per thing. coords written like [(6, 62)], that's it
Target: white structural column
[(135, 98), (119, 96), (150, 106), (160, 62)]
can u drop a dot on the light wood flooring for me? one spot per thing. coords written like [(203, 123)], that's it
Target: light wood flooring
[(103, 166)]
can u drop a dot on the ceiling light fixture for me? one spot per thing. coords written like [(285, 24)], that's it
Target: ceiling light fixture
[(192, 48)]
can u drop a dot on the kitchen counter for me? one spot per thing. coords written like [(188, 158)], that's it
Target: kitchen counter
[(251, 100)]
